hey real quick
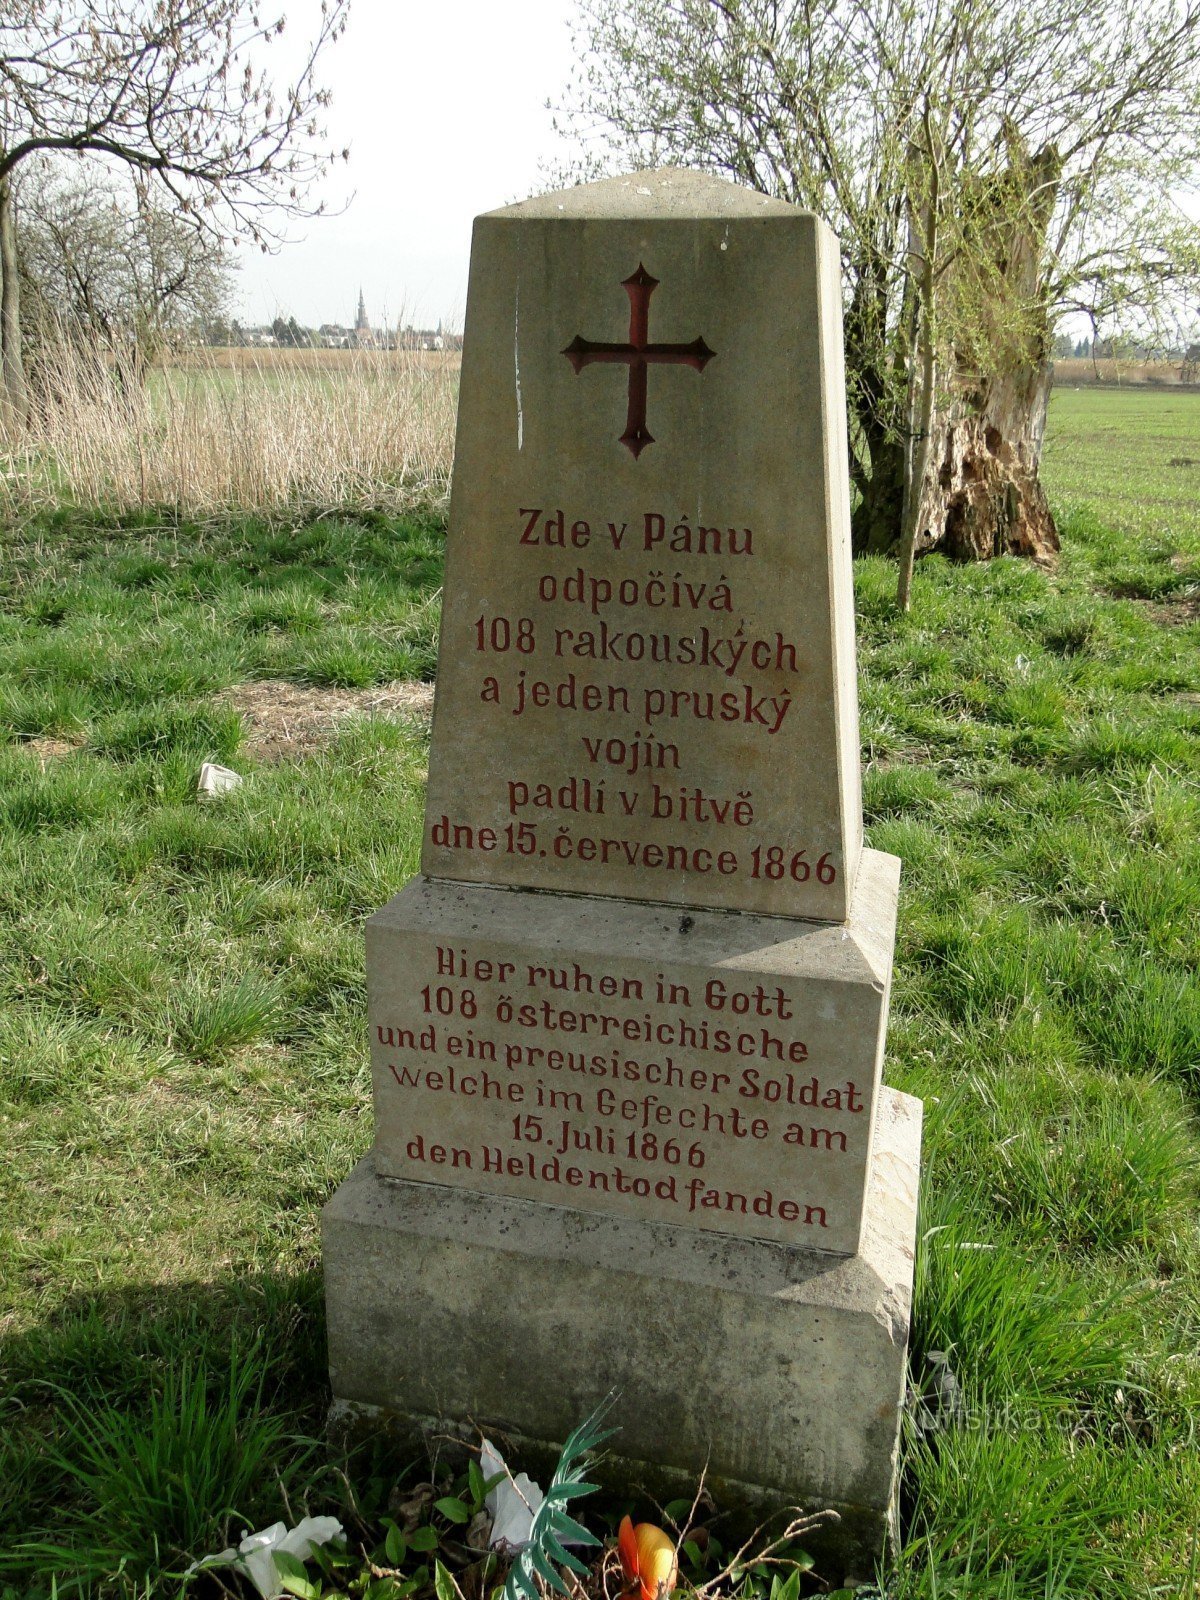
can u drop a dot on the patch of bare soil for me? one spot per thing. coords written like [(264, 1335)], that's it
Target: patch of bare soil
[(1175, 611), (286, 720), (47, 748)]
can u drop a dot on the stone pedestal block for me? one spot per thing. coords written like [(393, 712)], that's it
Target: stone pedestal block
[(779, 1369), (707, 1069)]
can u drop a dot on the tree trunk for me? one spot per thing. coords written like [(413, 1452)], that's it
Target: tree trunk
[(981, 496), (14, 391), (921, 401), (878, 462), (875, 520)]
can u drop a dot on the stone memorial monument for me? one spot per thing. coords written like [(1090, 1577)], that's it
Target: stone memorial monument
[(627, 1026)]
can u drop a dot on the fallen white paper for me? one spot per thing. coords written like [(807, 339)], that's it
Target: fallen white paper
[(255, 1556), (217, 780), (512, 1503)]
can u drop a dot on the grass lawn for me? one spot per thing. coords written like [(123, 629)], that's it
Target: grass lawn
[(183, 1068)]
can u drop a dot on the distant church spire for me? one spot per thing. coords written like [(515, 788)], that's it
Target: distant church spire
[(361, 325)]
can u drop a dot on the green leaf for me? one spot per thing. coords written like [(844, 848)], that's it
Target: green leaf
[(584, 1439), (292, 1576), (423, 1539), (551, 1523), (453, 1509), (693, 1552), (545, 1570), (443, 1583), (520, 1579), (558, 1492), (395, 1546), (564, 1558), (336, 1555), (388, 1589), (674, 1509), (476, 1483), (567, 1530)]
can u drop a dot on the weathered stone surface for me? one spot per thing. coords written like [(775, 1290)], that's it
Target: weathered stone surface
[(708, 1070), (780, 1369), (627, 1030), (646, 685)]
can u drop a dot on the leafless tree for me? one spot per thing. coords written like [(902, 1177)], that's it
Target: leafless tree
[(988, 165), (105, 263), (177, 91)]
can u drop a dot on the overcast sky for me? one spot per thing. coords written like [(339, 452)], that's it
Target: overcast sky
[(443, 107)]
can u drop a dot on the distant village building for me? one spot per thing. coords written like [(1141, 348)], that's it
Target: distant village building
[(411, 338), (337, 336), (364, 336)]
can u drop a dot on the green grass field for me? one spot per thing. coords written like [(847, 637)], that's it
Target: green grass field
[(1132, 455), (183, 1071)]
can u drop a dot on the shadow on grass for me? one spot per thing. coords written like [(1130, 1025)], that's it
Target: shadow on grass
[(158, 550), (148, 1425)]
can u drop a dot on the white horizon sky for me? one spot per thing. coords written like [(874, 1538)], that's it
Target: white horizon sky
[(444, 113)]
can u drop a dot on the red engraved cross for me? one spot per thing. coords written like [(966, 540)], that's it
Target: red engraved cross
[(638, 354)]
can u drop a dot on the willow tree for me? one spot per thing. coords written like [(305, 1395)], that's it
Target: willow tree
[(108, 267), (181, 93), (988, 166)]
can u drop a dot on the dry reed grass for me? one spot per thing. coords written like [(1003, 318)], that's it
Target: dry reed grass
[(1114, 370), (214, 432)]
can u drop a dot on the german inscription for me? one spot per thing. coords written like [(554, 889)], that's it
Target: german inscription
[(723, 1098)]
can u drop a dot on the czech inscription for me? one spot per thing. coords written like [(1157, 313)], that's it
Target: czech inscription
[(646, 674), (634, 637)]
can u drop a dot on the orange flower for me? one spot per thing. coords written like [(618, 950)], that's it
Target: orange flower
[(647, 1559)]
